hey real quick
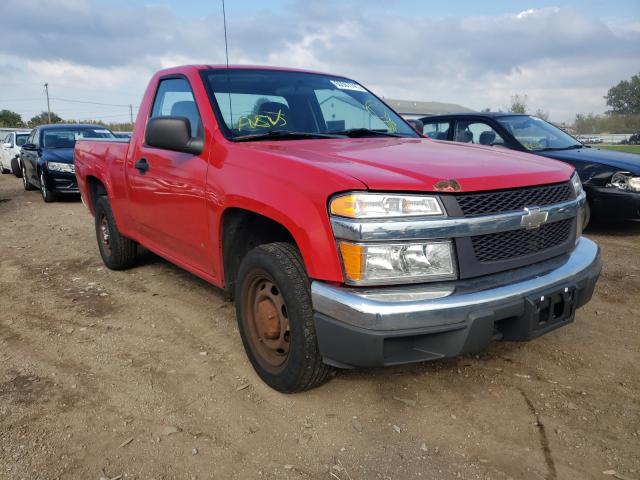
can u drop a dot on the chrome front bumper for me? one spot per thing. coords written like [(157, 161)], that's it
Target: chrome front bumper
[(349, 320)]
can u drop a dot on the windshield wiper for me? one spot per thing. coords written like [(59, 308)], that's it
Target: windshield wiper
[(283, 135), (549, 149), (365, 132)]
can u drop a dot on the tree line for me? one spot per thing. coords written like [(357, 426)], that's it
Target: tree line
[(623, 115), (623, 100), (10, 119)]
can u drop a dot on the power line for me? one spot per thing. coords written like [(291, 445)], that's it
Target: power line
[(93, 103), (21, 99), (70, 101)]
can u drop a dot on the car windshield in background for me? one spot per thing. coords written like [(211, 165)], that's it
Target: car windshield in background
[(537, 135), (66, 138), (256, 103), (21, 139)]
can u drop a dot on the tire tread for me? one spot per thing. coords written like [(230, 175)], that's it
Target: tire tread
[(123, 249), (287, 258)]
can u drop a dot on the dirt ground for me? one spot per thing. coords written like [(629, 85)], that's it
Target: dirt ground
[(141, 374)]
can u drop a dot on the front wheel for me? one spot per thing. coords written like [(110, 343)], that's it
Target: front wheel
[(25, 180), (586, 218), (47, 195), (275, 318), (117, 251)]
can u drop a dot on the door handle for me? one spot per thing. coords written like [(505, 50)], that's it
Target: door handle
[(142, 165)]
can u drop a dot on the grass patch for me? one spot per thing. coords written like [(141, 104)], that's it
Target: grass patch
[(621, 148)]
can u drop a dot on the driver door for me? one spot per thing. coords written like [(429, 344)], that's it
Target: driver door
[(167, 188)]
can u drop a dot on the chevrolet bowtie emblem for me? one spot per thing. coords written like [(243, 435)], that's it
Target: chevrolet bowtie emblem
[(533, 217)]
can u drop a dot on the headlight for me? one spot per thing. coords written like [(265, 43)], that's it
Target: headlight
[(577, 184), (380, 205), (625, 181), (382, 263), (61, 167)]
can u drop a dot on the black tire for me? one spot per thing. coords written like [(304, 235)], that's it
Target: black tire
[(117, 251), (281, 266), (5, 170), (47, 195), (15, 167), (586, 218), (25, 180)]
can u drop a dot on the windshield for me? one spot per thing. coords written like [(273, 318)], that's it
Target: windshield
[(66, 137), (535, 134), (256, 102), (21, 139)]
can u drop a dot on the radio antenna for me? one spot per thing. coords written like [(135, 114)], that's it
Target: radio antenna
[(226, 43), (226, 51)]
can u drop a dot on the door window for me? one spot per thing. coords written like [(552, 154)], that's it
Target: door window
[(34, 138), (175, 98), (437, 130), (21, 139), (476, 132)]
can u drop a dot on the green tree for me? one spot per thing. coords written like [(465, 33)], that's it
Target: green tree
[(10, 119), (590, 123), (624, 98), (43, 119), (518, 103), (542, 114)]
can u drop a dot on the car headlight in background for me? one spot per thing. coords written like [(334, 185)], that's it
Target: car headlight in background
[(577, 184), (385, 263), (625, 181), (61, 167), (380, 205)]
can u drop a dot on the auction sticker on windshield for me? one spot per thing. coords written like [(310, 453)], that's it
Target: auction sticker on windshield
[(347, 86)]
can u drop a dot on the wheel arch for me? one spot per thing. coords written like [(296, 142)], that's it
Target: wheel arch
[(95, 189), (243, 230)]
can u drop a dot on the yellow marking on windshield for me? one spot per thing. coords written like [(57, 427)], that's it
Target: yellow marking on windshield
[(263, 120), (386, 119)]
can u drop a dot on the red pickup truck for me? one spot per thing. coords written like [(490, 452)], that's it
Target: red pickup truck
[(346, 238)]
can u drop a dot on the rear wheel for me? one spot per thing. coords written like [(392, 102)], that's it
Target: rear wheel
[(47, 195), (25, 181), (117, 251), (275, 317)]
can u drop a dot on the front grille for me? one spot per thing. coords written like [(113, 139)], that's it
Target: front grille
[(494, 247), (510, 200)]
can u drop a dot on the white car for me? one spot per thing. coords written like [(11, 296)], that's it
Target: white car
[(10, 151)]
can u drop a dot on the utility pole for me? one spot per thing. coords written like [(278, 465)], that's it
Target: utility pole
[(46, 90), (131, 113)]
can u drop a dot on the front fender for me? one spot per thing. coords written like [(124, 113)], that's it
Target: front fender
[(291, 194)]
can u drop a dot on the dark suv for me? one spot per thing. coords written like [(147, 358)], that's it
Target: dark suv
[(47, 157)]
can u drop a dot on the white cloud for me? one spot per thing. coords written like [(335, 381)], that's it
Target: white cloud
[(562, 59)]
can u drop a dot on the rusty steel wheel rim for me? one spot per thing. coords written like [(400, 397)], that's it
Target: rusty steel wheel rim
[(105, 235), (266, 321)]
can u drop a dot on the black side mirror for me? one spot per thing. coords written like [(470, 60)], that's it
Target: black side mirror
[(29, 146), (417, 125), (172, 133)]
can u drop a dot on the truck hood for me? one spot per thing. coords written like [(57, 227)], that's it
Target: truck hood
[(628, 162), (59, 155), (413, 164)]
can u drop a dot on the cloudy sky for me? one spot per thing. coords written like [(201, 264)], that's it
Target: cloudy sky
[(563, 54)]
